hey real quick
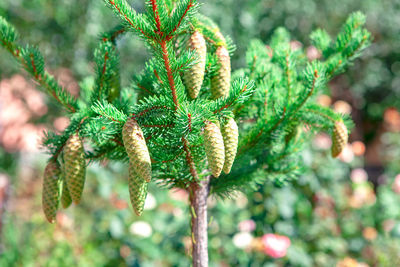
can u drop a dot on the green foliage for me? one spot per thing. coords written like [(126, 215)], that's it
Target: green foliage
[(284, 100), (284, 91), (254, 18)]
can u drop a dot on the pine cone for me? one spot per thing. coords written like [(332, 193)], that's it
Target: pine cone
[(66, 199), (230, 133), (50, 193), (214, 146), (339, 138), (194, 76), (75, 167), (221, 82), (136, 148), (137, 190)]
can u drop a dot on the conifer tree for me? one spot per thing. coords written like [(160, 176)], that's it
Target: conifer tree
[(185, 117)]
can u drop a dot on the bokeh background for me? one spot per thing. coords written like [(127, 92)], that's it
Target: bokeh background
[(342, 212)]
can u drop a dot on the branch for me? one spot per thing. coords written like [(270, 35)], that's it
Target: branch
[(316, 76), (125, 16), (42, 77), (233, 100), (143, 112), (169, 73), (253, 141), (190, 4), (156, 16), (157, 125), (189, 159)]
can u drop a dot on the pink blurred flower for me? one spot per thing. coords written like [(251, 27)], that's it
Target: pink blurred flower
[(324, 100), (61, 123), (322, 141), (295, 45), (347, 154), (313, 53), (179, 195), (19, 104), (396, 184), (358, 175), (275, 245), (247, 226), (342, 107), (242, 240)]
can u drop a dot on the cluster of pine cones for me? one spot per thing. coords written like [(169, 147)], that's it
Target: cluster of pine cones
[(221, 80), (69, 180), (220, 144), (66, 184)]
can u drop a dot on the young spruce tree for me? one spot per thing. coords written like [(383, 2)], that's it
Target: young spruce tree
[(177, 124)]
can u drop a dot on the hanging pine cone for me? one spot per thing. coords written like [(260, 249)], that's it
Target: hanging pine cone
[(221, 81), (214, 147), (230, 133), (136, 148), (137, 190), (66, 199), (50, 193), (194, 76), (339, 138), (75, 167)]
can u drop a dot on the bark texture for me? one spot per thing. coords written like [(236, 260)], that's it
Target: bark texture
[(198, 201)]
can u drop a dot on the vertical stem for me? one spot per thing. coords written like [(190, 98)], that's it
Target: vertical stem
[(198, 210)]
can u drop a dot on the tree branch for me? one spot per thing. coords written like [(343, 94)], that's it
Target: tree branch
[(169, 73), (181, 19), (156, 16), (113, 4)]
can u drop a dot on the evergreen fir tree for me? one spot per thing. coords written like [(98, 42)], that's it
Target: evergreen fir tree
[(179, 129)]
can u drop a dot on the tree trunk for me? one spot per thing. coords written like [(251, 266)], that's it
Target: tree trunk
[(198, 210)]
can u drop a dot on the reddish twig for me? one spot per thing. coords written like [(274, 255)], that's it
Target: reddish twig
[(230, 104), (111, 118), (39, 78), (15, 51), (189, 121), (310, 92), (169, 73), (128, 19), (189, 159), (143, 88), (180, 20), (148, 110), (255, 140), (158, 76), (114, 35), (117, 142), (156, 16), (157, 125), (34, 66)]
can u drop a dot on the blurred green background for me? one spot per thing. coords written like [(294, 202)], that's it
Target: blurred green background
[(342, 212)]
